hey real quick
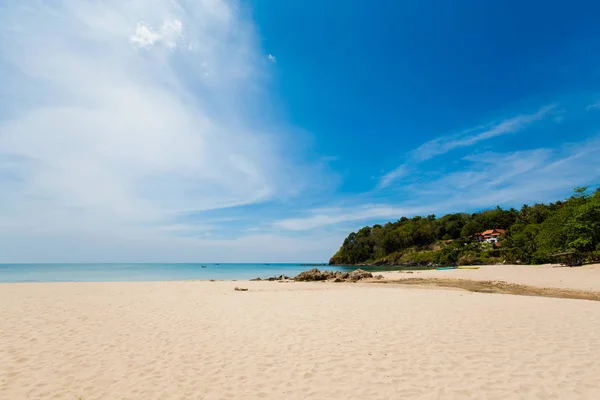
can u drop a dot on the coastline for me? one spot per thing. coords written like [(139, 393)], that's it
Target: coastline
[(583, 278)]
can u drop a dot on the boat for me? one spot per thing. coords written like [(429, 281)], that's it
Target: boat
[(467, 267), (445, 268)]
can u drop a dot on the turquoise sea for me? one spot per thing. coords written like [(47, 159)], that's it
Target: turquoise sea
[(118, 272)]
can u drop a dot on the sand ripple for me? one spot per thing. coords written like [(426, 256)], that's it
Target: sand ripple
[(202, 340)]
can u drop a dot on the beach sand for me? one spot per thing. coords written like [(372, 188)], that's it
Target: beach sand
[(586, 277), (203, 340)]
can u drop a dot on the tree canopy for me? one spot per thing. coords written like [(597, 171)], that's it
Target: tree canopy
[(533, 234)]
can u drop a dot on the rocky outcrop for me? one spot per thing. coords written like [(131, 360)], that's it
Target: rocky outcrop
[(335, 276), (311, 276), (359, 274)]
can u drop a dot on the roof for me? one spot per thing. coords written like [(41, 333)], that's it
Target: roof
[(491, 233)]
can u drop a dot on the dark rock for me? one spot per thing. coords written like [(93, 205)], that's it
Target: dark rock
[(329, 274), (378, 277), (256, 279), (312, 275), (359, 274), (239, 289), (336, 276)]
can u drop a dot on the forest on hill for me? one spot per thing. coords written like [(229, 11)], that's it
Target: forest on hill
[(533, 235)]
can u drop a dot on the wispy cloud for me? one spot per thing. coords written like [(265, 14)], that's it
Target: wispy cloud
[(112, 129), (445, 144), (470, 137), (335, 216), (487, 179), (387, 179), (272, 58), (516, 177), (593, 106)]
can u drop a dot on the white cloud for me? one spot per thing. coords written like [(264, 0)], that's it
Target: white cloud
[(170, 33), (106, 137), (467, 138), (144, 36), (272, 58)]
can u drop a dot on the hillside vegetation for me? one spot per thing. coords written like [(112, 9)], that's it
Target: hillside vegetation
[(533, 234)]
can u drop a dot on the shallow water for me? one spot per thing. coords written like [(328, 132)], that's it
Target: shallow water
[(119, 272), (139, 272)]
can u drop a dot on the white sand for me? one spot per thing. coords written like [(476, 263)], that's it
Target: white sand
[(586, 277), (202, 340)]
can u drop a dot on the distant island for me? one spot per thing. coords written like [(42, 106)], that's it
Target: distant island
[(535, 234)]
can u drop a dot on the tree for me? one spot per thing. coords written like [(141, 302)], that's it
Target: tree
[(471, 228), (533, 234), (583, 229)]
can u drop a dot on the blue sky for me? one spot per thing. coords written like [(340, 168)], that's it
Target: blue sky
[(266, 131)]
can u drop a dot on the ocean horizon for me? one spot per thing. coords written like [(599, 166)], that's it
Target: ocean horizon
[(142, 272)]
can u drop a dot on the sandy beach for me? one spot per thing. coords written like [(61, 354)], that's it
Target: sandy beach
[(203, 340), (586, 277)]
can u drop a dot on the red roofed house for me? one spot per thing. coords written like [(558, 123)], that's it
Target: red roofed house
[(489, 236)]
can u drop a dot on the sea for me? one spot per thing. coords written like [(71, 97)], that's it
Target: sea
[(123, 272)]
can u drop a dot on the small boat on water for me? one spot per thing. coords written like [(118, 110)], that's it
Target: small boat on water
[(445, 268)]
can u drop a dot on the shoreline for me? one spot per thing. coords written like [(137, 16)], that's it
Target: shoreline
[(550, 281)]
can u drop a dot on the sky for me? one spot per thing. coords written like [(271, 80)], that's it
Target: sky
[(266, 131)]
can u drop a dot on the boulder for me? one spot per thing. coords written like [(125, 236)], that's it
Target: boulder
[(359, 274), (312, 275), (239, 289), (329, 274), (336, 276)]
